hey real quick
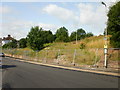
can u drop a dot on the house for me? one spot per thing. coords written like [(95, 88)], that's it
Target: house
[(7, 39)]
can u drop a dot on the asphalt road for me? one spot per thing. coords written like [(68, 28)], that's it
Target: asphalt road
[(17, 74)]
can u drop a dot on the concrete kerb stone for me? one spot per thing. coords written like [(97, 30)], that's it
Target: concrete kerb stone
[(71, 68)]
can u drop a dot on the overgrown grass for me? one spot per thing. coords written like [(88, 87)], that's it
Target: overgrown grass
[(66, 51)]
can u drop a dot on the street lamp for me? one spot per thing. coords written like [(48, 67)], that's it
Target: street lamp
[(105, 37)]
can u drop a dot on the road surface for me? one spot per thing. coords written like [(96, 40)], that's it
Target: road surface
[(17, 74)]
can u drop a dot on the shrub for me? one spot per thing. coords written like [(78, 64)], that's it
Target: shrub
[(82, 45)]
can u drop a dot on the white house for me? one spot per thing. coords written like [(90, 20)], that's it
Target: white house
[(6, 40)]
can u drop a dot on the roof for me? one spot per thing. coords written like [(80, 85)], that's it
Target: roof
[(8, 38)]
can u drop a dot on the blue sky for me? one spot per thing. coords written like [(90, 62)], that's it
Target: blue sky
[(18, 17)]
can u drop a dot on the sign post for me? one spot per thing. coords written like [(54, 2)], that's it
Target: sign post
[(105, 53), (105, 46)]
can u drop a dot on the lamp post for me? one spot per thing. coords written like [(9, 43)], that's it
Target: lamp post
[(105, 37)]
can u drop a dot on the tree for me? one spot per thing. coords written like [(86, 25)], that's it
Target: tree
[(37, 37), (5, 46), (81, 34), (48, 36), (23, 43), (34, 39), (115, 39), (62, 35), (89, 34), (113, 24), (73, 36)]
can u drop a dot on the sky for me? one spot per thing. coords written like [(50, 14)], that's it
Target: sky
[(17, 16)]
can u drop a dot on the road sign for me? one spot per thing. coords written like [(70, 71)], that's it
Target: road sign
[(105, 46), (105, 50)]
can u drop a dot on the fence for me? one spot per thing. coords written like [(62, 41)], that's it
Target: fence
[(70, 57)]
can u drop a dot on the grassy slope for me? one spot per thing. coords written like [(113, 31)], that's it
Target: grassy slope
[(67, 51), (83, 56), (91, 42)]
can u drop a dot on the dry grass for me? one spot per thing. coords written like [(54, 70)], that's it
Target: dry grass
[(66, 51)]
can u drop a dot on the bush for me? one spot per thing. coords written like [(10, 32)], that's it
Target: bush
[(23, 43), (12, 44), (82, 46)]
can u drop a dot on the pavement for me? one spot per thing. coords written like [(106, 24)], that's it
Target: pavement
[(20, 74)]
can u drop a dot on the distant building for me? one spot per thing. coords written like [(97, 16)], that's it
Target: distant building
[(6, 40)]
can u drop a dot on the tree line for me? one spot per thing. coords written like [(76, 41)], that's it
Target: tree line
[(37, 37), (113, 25)]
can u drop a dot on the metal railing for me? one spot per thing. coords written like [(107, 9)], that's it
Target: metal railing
[(70, 57)]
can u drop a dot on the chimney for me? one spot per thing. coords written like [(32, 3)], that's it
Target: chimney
[(9, 36)]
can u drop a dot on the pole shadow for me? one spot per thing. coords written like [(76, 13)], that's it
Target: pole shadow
[(8, 66)]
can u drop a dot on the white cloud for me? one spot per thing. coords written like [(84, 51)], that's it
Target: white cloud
[(94, 16), (58, 0), (90, 14), (5, 9), (20, 29), (63, 14), (22, 0), (17, 29), (50, 27)]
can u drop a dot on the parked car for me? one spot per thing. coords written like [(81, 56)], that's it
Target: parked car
[(2, 55)]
